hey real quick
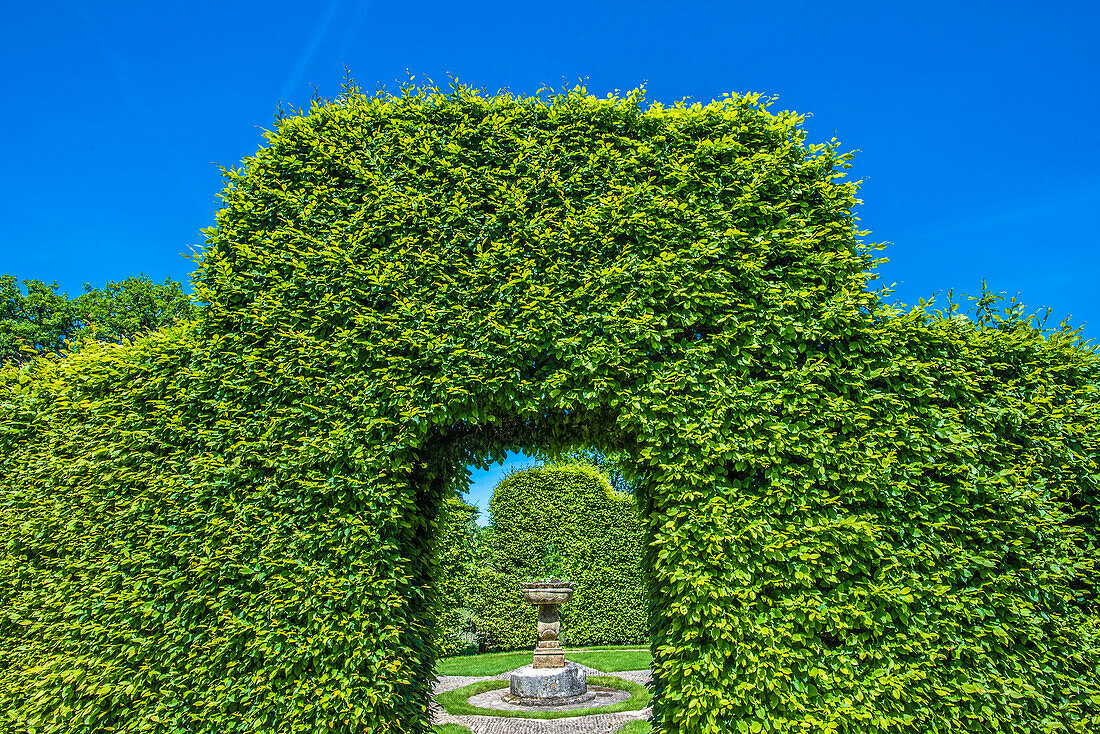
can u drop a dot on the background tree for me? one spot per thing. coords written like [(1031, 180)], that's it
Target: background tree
[(613, 466), (38, 318), (35, 318), (122, 310)]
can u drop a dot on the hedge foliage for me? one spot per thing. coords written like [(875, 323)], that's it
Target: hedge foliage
[(459, 561), (572, 512), (856, 519)]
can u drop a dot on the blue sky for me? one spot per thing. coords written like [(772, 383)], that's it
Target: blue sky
[(484, 481), (974, 121)]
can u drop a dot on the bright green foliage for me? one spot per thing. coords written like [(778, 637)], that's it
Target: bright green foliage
[(595, 532), (457, 565), (111, 555), (856, 520)]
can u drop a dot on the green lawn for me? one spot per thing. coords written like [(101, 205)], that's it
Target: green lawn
[(604, 659), (454, 729), (454, 702), (612, 661)]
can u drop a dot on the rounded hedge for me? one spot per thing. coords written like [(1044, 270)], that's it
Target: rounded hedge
[(572, 511), (855, 519)]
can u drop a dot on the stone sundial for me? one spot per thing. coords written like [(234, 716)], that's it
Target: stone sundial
[(549, 680)]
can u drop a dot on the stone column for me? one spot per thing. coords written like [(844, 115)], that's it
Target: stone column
[(548, 650)]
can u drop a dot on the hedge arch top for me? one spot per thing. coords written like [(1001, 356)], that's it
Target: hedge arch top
[(462, 260)]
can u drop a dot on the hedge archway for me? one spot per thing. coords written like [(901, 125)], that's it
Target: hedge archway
[(857, 520)]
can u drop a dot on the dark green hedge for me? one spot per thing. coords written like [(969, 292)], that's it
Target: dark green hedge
[(856, 520), (572, 511)]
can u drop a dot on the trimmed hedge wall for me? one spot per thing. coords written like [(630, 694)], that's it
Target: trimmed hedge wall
[(856, 520), (909, 539), (457, 565), (595, 530), (172, 565)]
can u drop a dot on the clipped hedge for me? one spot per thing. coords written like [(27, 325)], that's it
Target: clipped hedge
[(856, 520), (457, 563), (162, 573), (598, 536), (909, 539)]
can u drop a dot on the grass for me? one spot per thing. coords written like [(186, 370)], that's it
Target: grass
[(454, 702), (604, 659), (636, 727), (612, 661), (453, 729), (491, 664)]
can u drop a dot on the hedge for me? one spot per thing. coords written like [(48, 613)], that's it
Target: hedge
[(910, 540), (570, 511), (856, 519), (458, 561)]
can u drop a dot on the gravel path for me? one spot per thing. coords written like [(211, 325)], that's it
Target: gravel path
[(594, 724)]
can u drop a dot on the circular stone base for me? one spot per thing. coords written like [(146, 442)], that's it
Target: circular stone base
[(559, 701), (498, 700), (547, 684)]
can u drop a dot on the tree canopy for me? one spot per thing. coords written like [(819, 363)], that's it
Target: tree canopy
[(37, 318)]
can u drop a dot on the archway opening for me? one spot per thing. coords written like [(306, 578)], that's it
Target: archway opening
[(535, 516)]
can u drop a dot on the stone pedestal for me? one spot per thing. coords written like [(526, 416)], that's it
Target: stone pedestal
[(548, 681), (548, 650), (547, 595), (531, 686)]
